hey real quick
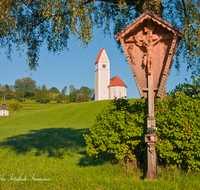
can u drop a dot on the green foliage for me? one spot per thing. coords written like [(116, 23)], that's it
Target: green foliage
[(178, 123), (191, 90), (46, 140), (26, 85), (18, 95), (64, 90), (6, 91), (80, 98), (59, 98), (54, 90), (53, 22), (87, 92), (185, 15), (15, 106), (119, 131), (43, 96), (152, 130), (73, 93)]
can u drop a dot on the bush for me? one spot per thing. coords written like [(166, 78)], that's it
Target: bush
[(120, 128), (119, 131), (15, 106), (80, 98), (178, 124)]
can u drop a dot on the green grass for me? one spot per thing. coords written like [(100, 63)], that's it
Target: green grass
[(42, 147)]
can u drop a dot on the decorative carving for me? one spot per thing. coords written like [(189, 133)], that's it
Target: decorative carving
[(148, 42), (151, 157), (169, 61), (142, 51), (130, 52), (131, 66)]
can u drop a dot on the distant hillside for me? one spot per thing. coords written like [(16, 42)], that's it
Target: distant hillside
[(36, 116)]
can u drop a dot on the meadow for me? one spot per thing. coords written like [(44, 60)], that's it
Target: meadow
[(42, 147)]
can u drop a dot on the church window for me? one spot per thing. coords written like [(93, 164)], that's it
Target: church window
[(113, 94), (120, 94), (104, 66)]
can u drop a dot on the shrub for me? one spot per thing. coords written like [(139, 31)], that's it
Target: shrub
[(15, 106), (80, 98), (119, 131), (178, 124)]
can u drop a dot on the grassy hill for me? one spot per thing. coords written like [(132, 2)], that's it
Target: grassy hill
[(42, 147), (38, 116)]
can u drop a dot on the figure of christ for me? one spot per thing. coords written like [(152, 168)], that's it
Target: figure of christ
[(148, 43)]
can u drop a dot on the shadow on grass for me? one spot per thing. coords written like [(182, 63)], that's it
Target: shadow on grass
[(53, 142), (86, 161)]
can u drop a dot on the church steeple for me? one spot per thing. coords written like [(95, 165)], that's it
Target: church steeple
[(102, 76), (3, 110), (4, 105)]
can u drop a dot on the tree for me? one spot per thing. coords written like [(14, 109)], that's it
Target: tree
[(26, 85), (192, 90), (33, 23), (6, 91), (80, 98), (64, 92), (18, 95), (59, 98), (87, 92), (43, 96), (7, 88), (15, 106), (73, 93), (54, 90)]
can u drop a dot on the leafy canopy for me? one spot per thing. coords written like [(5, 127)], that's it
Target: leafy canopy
[(54, 90), (15, 106), (118, 131), (31, 23), (25, 84)]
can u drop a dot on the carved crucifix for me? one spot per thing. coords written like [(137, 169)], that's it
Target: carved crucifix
[(148, 43), (140, 40)]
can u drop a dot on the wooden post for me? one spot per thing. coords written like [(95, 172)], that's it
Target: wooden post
[(151, 151), (140, 39)]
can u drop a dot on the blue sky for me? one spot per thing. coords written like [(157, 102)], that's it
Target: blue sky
[(76, 67)]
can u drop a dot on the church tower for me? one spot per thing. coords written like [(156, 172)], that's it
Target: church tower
[(102, 76)]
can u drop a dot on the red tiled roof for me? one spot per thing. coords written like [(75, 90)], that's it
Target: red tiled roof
[(98, 57), (116, 81)]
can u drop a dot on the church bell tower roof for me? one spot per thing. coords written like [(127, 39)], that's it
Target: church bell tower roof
[(99, 55)]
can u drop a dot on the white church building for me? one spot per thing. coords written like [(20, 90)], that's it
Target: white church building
[(106, 88)]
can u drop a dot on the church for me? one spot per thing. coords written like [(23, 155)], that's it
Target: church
[(106, 88), (4, 111)]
